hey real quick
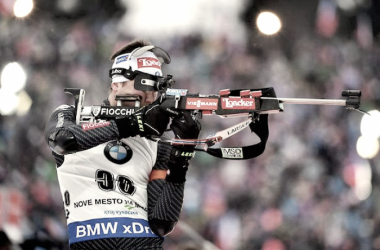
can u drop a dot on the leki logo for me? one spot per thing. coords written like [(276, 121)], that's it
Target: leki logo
[(238, 103), (148, 62), (203, 103)]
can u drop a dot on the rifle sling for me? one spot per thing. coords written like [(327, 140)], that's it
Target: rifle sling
[(245, 152)]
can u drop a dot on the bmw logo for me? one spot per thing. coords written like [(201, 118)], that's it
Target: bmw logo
[(118, 152)]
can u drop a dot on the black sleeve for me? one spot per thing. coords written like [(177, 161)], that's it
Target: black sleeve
[(64, 136), (165, 198)]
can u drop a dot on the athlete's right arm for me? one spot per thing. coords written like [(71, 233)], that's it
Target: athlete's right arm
[(64, 136)]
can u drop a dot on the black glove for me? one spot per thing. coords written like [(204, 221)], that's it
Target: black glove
[(184, 127), (151, 120)]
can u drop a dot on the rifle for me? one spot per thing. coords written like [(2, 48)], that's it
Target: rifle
[(248, 103)]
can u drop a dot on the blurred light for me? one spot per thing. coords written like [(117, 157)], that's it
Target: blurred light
[(14, 232), (25, 102), (349, 175), (13, 77), (268, 23), (364, 29), (370, 124), (327, 20), (346, 5), (165, 18), (8, 102), (358, 176), (273, 244), (229, 230), (367, 146), (364, 190), (363, 186), (22, 8), (67, 6), (271, 219)]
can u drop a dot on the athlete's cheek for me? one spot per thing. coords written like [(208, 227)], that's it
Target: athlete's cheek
[(150, 96)]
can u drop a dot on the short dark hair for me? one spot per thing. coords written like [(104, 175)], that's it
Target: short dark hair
[(130, 47)]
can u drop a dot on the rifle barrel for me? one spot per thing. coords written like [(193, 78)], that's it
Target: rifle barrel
[(333, 102)]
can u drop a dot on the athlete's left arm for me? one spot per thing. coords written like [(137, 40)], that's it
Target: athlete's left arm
[(165, 195)]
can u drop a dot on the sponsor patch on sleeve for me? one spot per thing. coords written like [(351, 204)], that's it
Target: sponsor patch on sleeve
[(93, 125)]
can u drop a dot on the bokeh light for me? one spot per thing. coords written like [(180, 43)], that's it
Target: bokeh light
[(23, 8), (24, 104), (13, 77), (359, 176), (363, 186), (8, 102), (143, 19), (367, 146), (370, 124), (268, 23)]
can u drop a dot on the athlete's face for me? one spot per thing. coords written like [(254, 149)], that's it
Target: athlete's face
[(127, 88)]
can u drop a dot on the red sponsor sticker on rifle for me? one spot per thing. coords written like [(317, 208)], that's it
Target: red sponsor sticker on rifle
[(238, 103), (202, 103)]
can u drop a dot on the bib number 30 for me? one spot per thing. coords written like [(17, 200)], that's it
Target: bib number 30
[(107, 182)]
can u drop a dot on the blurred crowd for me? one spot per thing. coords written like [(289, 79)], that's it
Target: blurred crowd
[(299, 194)]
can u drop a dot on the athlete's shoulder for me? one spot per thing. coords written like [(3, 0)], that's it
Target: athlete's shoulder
[(64, 107)]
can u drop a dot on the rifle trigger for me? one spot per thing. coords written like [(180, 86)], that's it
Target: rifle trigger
[(255, 116)]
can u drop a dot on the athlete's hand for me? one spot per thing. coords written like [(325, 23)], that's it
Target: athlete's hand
[(151, 120), (185, 127)]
